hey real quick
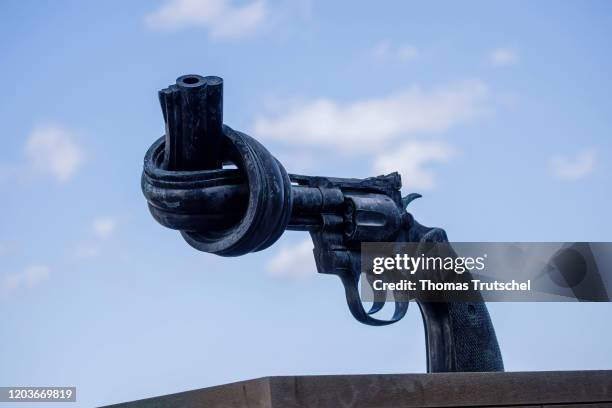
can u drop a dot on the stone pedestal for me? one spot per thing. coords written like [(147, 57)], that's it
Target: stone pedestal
[(525, 389)]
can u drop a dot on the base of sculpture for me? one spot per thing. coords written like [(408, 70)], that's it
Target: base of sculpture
[(532, 389)]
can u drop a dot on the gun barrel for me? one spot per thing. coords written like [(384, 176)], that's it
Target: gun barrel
[(220, 207), (193, 114)]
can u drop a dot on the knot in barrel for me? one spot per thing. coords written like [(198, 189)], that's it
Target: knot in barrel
[(225, 211)]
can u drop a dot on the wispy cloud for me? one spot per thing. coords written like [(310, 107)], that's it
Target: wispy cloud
[(366, 124), (573, 167), (104, 227), (294, 262), (382, 129), (26, 279), (503, 57), (222, 19), (411, 160), (385, 51), (51, 150)]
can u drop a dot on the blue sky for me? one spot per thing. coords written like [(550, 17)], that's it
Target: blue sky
[(497, 112)]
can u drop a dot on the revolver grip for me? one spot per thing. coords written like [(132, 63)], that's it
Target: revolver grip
[(460, 337), (476, 347)]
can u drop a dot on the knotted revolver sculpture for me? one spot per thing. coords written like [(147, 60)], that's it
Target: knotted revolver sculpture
[(229, 196)]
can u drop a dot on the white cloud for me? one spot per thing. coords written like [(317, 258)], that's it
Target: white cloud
[(293, 262), (573, 168), (223, 20), (369, 123), (411, 158), (503, 57), (104, 227), (27, 279), (384, 51), (50, 149)]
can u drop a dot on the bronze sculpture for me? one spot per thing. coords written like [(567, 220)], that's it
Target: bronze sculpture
[(235, 211)]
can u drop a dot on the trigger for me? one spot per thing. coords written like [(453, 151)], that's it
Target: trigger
[(356, 307), (379, 298), (376, 307)]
